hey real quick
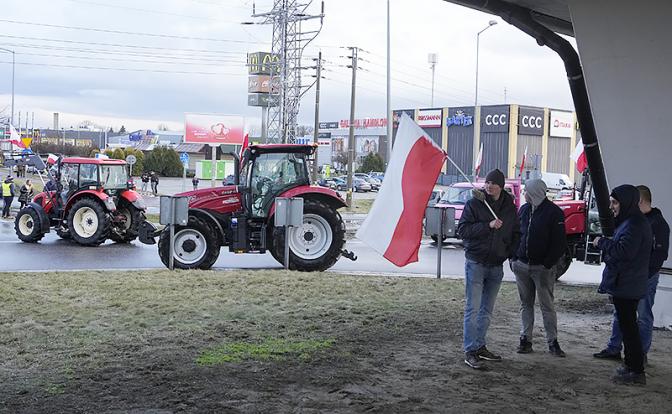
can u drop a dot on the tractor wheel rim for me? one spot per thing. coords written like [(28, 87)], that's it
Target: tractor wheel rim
[(26, 225), (129, 218), (192, 238), (312, 239), (85, 222)]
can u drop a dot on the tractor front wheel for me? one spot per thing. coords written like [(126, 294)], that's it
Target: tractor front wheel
[(195, 245), (28, 226), (88, 222), (315, 245)]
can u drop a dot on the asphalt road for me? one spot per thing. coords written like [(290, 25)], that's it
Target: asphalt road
[(52, 253)]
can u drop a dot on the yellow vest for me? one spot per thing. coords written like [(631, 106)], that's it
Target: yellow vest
[(6, 189)]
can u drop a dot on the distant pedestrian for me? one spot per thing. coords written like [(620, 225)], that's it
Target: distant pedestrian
[(154, 178), (542, 244), (488, 242), (625, 276), (194, 182), (26, 193), (8, 191), (145, 180), (661, 243)]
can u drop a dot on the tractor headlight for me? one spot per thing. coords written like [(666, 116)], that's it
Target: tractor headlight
[(109, 204)]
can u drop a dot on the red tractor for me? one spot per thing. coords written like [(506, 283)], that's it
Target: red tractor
[(94, 200), (241, 216)]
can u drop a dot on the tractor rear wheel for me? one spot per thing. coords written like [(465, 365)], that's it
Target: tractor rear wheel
[(88, 222), (129, 231), (63, 233), (28, 226), (195, 245), (315, 245)]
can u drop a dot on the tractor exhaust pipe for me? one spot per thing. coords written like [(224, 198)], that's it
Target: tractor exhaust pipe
[(523, 20)]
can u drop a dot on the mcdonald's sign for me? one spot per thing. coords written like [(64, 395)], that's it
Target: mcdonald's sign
[(262, 63)]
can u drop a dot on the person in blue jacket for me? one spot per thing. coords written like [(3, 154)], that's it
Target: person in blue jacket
[(625, 276), (661, 244)]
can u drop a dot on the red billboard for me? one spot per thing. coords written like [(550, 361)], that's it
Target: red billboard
[(214, 129)]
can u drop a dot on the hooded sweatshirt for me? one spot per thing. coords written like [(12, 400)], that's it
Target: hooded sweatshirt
[(542, 225), (627, 254)]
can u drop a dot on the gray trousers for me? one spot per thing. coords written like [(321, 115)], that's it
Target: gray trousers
[(537, 279)]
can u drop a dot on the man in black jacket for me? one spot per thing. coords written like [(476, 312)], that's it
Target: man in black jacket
[(542, 243), (661, 244), (488, 242), (625, 275)]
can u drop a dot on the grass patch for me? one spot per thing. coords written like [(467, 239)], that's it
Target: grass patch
[(361, 205), (154, 218), (269, 349)]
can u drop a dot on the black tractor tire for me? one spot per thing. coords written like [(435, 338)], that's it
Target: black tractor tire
[(563, 264), (196, 231), (63, 234), (28, 225), (99, 233), (330, 218), (130, 233)]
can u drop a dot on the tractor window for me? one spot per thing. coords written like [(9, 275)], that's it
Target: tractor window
[(88, 175), (113, 176), (69, 174), (273, 174)]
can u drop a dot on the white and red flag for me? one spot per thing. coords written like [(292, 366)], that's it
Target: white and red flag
[(246, 143), (522, 163), (51, 159), (579, 157), (393, 227), (15, 138), (479, 161)]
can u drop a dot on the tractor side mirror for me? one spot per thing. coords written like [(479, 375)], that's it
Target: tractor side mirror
[(236, 167)]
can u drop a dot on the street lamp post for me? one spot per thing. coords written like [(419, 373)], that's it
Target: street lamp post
[(11, 118), (478, 35), (432, 59)]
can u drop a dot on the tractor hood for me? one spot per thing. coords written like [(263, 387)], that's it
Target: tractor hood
[(221, 199)]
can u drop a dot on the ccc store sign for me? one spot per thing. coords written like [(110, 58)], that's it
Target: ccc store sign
[(496, 120)]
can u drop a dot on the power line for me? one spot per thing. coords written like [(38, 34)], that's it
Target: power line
[(240, 63), (116, 6), (91, 29), (126, 69)]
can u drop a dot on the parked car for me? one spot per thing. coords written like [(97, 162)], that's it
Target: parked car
[(328, 183), (435, 197), (359, 185), (556, 181), (341, 184)]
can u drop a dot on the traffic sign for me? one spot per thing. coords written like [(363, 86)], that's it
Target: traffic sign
[(130, 159), (184, 157)]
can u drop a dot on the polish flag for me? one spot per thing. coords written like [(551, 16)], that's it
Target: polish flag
[(522, 163), (15, 138), (393, 227), (479, 160), (579, 157), (51, 159)]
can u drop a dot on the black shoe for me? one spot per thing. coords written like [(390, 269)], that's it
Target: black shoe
[(471, 359), (483, 353), (525, 346), (626, 377), (554, 349), (607, 354)]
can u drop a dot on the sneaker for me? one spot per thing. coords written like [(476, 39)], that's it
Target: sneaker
[(627, 377), (607, 354), (483, 353), (525, 346), (471, 359), (554, 349)]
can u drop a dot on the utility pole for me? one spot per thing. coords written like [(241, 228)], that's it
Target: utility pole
[(318, 75), (388, 149), (351, 136)]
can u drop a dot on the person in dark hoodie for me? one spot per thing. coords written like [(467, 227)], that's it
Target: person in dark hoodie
[(542, 243), (488, 242), (661, 244), (625, 276)]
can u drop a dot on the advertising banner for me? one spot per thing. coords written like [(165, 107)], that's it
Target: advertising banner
[(213, 129), (530, 121), (328, 125), (430, 118), (396, 116), (367, 145), (495, 118), (259, 83), (562, 124)]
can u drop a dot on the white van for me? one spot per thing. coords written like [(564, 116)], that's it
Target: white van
[(555, 181)]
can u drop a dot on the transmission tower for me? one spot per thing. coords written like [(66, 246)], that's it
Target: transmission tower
[(289, 42)]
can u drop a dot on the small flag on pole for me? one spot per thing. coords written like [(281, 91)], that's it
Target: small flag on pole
[(522, 163), (479, 161)]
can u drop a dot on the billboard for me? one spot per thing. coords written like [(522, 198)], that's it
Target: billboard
[(213, 129), (562, 124), (430, 118), (530, 121), (262, 63)]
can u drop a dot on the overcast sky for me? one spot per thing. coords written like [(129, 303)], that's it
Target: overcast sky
[(191, 58)]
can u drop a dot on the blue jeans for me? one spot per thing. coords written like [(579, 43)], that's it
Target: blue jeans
[(481, 287), (644, 320)]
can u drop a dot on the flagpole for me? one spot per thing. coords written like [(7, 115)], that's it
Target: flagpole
[(474, 187)]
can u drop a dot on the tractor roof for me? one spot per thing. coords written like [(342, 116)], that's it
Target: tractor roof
[(97, 161), (279, 148)]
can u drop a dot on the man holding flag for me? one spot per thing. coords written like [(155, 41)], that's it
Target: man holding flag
[(491, 234)]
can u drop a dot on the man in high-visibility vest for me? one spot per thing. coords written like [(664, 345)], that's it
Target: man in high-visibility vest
[(7, 195)]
